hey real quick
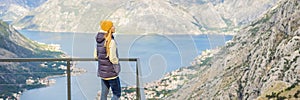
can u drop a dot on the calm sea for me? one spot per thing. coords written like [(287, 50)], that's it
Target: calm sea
[(159, 54)]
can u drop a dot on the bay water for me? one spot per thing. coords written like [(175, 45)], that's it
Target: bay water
[(158, 54)]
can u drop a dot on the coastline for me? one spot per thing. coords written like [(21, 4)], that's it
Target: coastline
[(171, 81), (51, 80)]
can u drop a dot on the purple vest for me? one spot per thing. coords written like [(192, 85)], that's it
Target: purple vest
[(105, 67)]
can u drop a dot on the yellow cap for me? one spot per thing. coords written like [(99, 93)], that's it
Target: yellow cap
[(106, 25)]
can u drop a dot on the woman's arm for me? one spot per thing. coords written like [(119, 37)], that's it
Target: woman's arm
[(113, 53), (95, 53)]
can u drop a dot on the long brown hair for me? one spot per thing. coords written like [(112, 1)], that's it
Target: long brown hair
[(108, 37), (107, 25)]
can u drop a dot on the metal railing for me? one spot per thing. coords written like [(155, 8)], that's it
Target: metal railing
[(139, 89)]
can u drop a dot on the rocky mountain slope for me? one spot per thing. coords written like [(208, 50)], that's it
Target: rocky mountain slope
[(69, 15), (148, 16), (261, 62), (13, 75), (11, 10), (216, 14), (145, 16)]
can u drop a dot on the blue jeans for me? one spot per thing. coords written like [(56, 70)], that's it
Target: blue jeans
[(115, 87)]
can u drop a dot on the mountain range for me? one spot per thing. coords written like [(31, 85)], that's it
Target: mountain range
[(261, 62), (144, 16)]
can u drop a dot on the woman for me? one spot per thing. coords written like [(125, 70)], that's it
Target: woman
[(108, 61)]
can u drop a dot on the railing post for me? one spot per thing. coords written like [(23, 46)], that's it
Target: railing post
[(138, 92), (69, 79)]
